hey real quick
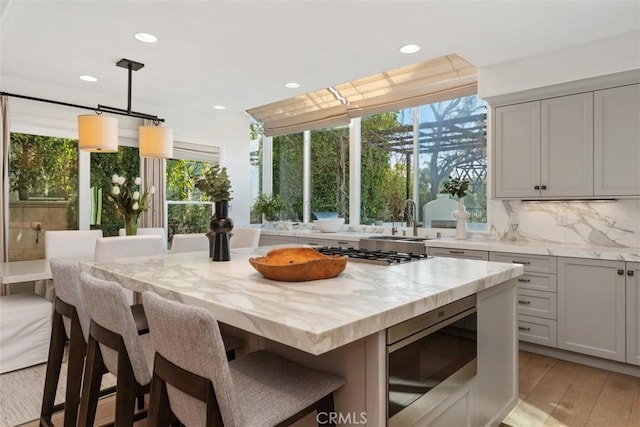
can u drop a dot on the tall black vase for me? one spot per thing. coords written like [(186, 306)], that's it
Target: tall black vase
[(221, 225)]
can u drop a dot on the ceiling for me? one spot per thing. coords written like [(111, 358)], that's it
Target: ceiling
[(241, 53)]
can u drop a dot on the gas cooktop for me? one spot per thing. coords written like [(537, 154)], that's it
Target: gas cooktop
[(373, 256)]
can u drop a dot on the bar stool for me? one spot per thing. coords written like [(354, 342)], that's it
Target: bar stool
[(70, 324), (193, 382), (114, 346)]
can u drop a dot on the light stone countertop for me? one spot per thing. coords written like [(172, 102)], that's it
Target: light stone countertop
[(316, 316), (481, 244)]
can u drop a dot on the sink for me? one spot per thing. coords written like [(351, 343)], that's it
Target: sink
[(407, 244)]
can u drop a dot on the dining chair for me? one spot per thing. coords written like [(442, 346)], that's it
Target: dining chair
[(193, 242), (193, 381), (78, 244), (148, 231), (244, 237), (114, 346), (71, 324)]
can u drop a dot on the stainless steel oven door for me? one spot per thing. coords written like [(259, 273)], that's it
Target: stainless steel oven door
[(426, 367)]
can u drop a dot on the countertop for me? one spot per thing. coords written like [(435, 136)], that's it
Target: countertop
[(532, 248), (316, 316)]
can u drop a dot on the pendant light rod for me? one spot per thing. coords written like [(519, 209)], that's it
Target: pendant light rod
[(131, 66)]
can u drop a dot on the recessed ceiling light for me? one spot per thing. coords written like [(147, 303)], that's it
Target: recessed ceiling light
[(219, 107), (292, 85), (88, 78), (410, 48), (146, 37)]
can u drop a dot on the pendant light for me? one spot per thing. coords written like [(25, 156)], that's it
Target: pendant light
[(155, 141), (98, 133)]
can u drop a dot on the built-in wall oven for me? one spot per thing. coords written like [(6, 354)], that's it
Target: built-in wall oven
[(428, 357)]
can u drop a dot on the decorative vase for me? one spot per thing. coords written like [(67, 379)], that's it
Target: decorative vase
[(461, 216), (221, 225), (131, 224)]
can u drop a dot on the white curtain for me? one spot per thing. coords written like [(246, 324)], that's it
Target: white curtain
[(4, 179), (152, 173)]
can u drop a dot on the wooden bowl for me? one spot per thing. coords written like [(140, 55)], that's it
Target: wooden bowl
[(298, 265)]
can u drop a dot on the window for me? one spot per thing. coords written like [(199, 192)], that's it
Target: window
[(287, 173), (43, 181), (104, 213), (330, 172), (256, 147), (452, 142), (385, 177), (188, 210)]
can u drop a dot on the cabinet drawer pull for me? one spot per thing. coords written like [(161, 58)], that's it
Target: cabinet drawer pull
[(456, 252), (522, 328), (620, 272), (524, 280), (523, 302), (342, 243), (521, 262), (629, 272), (536, 187), (544, 187), (313, 243)]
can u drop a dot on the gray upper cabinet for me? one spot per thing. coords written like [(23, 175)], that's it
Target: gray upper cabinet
[(544, 149), (617, 141)]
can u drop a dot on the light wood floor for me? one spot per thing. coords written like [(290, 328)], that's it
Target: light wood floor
[(552, 392)]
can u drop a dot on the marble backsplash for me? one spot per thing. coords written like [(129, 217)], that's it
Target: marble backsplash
[(602, 223)]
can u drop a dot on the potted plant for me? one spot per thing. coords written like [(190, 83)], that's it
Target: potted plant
[(216, 185), (458, 187), (269, 205)]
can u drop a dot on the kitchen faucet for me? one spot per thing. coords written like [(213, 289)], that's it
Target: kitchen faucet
[(411, 215)]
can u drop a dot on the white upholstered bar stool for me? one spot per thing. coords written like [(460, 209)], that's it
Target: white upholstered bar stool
[(193, 242), (114, 346), (193, 382), (148, 231), (244, 237)]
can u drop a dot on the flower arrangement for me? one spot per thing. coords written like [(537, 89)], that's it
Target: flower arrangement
[(129, 201), (215, 184), (456, 187)]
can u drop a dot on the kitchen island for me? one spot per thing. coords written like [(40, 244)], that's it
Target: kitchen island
[(339, 324)]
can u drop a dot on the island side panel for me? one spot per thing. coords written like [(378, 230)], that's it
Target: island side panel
[(497, 378), (361, 401)]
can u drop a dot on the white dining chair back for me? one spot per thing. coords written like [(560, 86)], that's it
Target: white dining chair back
[(244, 237), (193, 242), (77, 244), (148, 231), (108, 248)]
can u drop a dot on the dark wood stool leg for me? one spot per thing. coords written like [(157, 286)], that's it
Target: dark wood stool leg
[(54, 363), (94, 370), (326, 406), (160, 413), (77, 352)]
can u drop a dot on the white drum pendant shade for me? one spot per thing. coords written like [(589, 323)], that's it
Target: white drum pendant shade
[(155, 141), (97, 133)]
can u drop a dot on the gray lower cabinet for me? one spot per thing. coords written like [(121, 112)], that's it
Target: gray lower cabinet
[(459, 253), (591, 307), (537, 299), (267, 240), (633, 318)]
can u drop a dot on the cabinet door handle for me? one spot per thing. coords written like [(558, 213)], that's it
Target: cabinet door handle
[(544, 187), (620, 272), (456, 252), (524, 302), (342, 243), (536, 187), (524, 280), (629, 272), (515, 261), (522, 328)]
